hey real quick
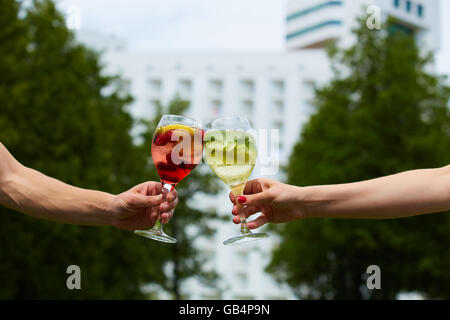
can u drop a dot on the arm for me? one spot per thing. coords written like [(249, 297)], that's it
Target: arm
[(35, 194), (405, 194)]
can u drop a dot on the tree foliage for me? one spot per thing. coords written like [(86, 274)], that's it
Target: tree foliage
[(382, 113), (61, 115)]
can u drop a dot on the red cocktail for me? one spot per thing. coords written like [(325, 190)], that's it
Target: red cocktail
[(177, 148)]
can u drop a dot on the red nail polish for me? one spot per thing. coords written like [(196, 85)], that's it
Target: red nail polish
[(242, 199)]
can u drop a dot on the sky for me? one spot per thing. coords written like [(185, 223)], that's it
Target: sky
[(205, 25)]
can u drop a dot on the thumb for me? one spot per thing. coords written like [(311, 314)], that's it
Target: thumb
[(253, 199), (141, 201)]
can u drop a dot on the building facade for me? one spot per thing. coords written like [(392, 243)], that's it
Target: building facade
[(273, 89), (313, 23)]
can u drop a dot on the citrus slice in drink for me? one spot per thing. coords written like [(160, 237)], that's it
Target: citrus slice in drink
[(177, 127)]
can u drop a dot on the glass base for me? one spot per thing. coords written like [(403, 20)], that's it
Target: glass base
[(157, 235), (245, 238)]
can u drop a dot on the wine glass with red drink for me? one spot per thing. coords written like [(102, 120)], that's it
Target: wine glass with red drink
[(177, 148)]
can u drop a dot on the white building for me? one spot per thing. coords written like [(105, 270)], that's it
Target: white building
[(313, 23), (274, 90)]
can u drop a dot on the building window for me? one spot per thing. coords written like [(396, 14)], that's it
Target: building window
[(304, 12), (315, 27), (397, 3), (247, 106), (420, 10), (247, 87), (155, 103), (155, 86), (242, 279), (396, 27), (278, 124), (278, 87), (408, 6), (215, 86), (215, 107), (278, 106), (184, 87), (242, 258)]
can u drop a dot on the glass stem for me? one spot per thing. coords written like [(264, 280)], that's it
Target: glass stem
[(158, 226), (238, 190), (166, 188), (244, 228)]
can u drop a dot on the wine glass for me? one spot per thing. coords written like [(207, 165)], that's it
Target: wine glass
[(230, 152), (177, 148)]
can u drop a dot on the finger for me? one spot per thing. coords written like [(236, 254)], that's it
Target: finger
[(167, 206), (172, 195), (153, 189), (253, 186), (248, 211), (258, 222), (154, 214), (232, 197), (253, 199), (140, 201), (141, 188), (157, 187), (165, 217)]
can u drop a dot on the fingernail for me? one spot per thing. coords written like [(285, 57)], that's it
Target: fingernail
[(242, 199), (160, 198)]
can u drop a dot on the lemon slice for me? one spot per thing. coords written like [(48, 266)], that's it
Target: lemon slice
[(177, 127)]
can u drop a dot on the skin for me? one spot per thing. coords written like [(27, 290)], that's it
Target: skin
[(35, 194), (401, 195)]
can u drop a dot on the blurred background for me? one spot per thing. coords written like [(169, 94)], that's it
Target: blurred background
[(83, 85)]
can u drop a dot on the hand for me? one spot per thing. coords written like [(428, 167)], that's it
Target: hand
[(140, 207), (276, 201)]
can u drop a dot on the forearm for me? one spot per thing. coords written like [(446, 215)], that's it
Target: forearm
[(402, 195), (35, 194)]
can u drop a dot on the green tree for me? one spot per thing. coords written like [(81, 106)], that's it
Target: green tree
[(61, 116), (382, 113), (185, 260)]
